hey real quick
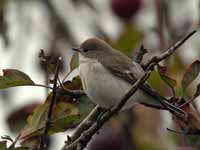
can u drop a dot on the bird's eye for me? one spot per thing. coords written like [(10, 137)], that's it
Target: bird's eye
[(85, 50)]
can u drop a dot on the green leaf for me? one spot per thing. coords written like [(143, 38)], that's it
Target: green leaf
[(83, 103), (12, 78), (74, 61), (67, 112), (64, 115), (62, 124), (190, 74), (156, 82), (74, 73), (3, 145), (168, 80)]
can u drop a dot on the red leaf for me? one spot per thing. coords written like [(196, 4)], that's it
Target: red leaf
[(190, 74)]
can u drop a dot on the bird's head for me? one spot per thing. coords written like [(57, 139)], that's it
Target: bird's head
[(93, 48)]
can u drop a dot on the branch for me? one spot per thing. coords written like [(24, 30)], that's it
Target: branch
[(156, 59), (74, 93), (43, 143), (140, 54), (85, 124), (86, 136)]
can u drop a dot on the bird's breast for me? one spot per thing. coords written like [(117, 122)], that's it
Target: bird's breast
[(100, 85)]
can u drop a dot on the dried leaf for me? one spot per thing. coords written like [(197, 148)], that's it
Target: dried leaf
[(16, 120), (190, 74), (192, 124), (12, 78)]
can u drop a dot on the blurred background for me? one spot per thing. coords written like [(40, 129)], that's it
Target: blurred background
[(26, 26)]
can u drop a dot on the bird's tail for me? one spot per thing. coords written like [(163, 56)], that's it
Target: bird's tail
[(159, 101)]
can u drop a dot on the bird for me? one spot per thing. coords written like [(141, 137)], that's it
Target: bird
[(107, 75)]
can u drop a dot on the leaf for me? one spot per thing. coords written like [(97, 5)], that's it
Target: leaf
[(16, 120), (31, 143), (3, 145), (83, 103), (168, 80), (68, 111), (192, 124), (74, 61), (64, 113), (197, 92), (171, 82), (12, 78), (156, 82), (190, 74), (74, 73)]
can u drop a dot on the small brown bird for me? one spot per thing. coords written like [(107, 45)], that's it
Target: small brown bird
[(107, 75)]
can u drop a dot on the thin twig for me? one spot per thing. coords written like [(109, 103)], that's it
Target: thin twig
[(75, 93), (43, 143), (188, 102), (65, 77), (179, 132), (156, 59), (85, 137), (40, 85)]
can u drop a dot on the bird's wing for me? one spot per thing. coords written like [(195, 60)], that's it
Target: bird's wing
[(122, 66)]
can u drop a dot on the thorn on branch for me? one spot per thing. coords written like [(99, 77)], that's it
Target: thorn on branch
[(171, 130), (140, 54)]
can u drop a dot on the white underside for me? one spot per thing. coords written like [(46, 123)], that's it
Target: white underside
[(105, 89)]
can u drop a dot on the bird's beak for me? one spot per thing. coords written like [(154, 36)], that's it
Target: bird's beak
[(76, 49)]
